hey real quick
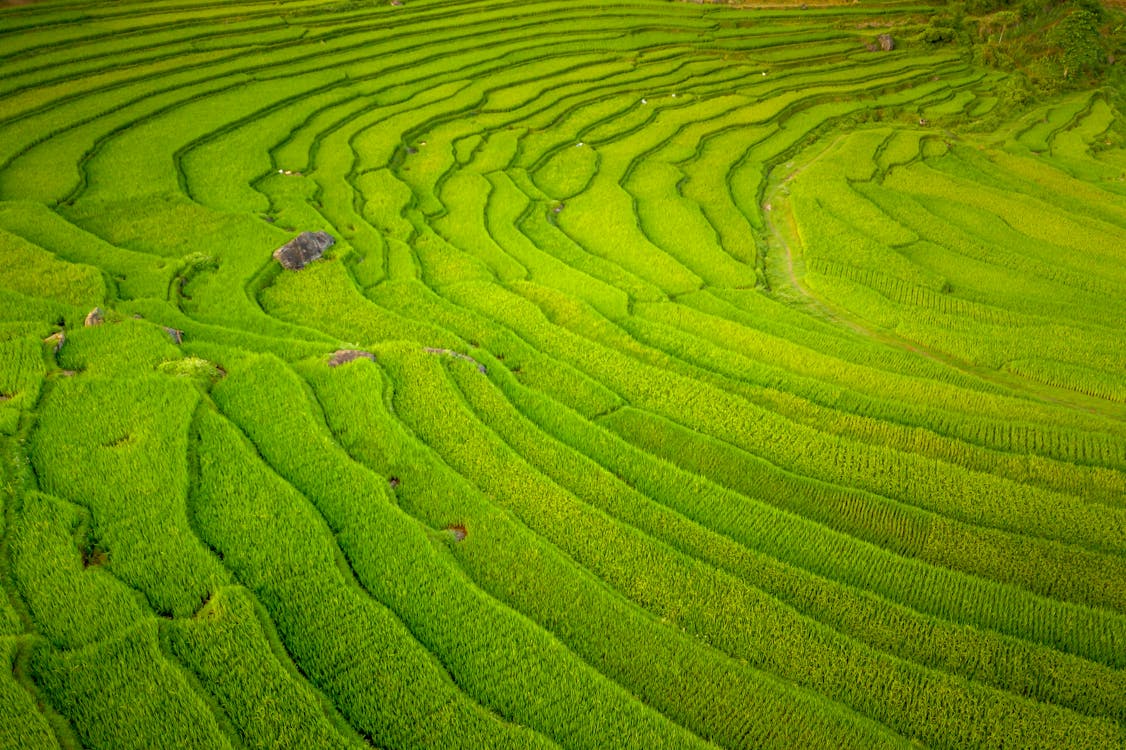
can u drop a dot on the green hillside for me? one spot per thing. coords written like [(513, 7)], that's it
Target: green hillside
[(679, 375)]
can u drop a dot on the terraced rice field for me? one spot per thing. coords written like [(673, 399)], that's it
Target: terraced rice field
[(722, 386)]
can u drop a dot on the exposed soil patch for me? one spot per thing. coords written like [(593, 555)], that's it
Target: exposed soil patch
[(393, 482), (451, 353), (94, 556), (344, 356), (458, 531)]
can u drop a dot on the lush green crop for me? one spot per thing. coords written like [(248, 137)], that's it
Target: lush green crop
[(681, 375)]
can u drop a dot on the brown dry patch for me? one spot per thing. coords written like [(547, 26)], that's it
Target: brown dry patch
[(344, 356), (94, 556), (458, 531), (451, 353)]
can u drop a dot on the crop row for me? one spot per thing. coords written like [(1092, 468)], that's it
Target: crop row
[(715, 390)]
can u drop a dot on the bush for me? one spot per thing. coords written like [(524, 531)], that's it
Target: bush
[(1077, 35)]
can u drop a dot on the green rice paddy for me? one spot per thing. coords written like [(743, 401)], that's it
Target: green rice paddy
[(716, 379)]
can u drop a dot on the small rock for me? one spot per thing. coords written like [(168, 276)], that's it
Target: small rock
[(303, 249), (58, 339), (393, 482), (95, 317), (175, 334), (887, 44), (344, 356)]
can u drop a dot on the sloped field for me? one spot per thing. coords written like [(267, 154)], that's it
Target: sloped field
[(706, 382)]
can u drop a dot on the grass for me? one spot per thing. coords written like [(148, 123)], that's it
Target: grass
[(724, 382)]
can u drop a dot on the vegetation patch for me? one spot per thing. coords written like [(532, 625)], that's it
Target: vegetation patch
[(563, 374)]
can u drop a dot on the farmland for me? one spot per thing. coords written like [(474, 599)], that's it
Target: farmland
[(680, 375)]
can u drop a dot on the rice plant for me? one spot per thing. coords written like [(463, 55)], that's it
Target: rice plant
[(679, 375)]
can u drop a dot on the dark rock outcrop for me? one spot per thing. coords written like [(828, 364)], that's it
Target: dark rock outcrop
[(303, 249)]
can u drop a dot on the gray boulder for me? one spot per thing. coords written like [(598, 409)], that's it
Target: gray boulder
[(303, 249)]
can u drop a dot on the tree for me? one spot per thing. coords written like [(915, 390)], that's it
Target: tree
[(1077, 36), (1000, 20)]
